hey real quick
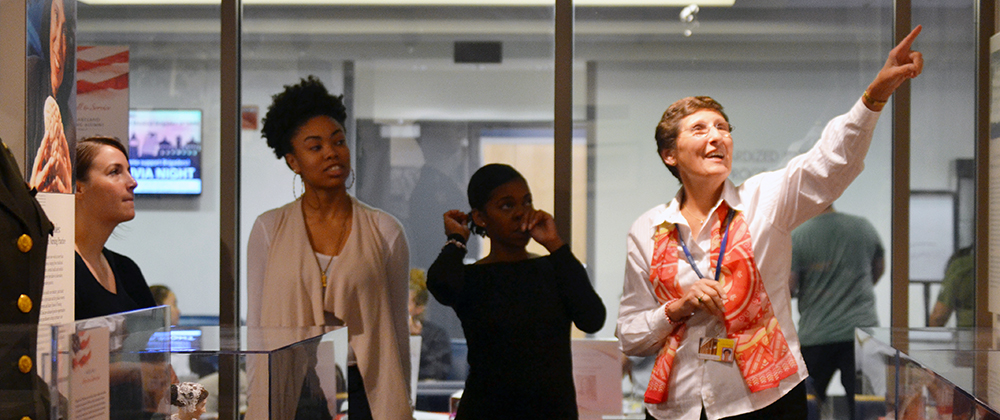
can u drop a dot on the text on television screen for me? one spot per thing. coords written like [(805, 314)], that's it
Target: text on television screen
[(165, 150)]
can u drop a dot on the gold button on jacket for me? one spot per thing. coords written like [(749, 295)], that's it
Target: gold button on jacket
[(24, 303), (24, 364), (24, 243), (24, 233)]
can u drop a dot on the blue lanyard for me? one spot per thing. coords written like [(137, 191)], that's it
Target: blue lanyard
[(722, 250)]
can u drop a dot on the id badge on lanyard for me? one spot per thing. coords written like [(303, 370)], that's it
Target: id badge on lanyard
[(713, 348)]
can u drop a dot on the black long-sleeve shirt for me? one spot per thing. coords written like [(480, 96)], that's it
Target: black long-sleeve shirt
[(516, 317)]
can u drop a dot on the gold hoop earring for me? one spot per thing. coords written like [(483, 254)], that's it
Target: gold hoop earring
[(353, 178), (296, 195)]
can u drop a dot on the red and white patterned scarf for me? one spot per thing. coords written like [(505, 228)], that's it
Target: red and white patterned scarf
[(762, 354)]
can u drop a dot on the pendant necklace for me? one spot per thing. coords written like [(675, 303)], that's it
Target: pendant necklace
[(322, 271), (343, 239), (700, 220)]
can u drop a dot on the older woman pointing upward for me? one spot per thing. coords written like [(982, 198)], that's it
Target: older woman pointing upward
[(706, 276)]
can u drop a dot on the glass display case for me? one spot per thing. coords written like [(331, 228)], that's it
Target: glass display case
[(281, 370), (124, 365), (943, 374), (116, 366)]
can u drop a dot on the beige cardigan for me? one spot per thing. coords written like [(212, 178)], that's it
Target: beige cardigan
[(368, 289)]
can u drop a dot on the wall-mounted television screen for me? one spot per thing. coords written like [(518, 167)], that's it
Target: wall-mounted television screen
[(165, 150)]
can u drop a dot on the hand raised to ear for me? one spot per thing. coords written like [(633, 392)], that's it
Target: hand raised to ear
[(455, 221), (542, 228)]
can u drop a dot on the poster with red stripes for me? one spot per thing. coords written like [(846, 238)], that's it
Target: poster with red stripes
[(102, 91)]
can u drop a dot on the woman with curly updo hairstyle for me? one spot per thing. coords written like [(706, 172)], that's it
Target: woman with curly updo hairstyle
[(296, 105), (327, 259)]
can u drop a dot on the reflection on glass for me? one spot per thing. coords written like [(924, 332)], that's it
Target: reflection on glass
[(782, 69), (427, 87), (942, 172), (782, 72), (171, 62), (120, 364), (935, 379)]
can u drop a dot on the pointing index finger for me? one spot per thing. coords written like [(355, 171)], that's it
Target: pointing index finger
[(907, 42)]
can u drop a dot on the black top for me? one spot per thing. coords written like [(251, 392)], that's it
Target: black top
[(94, 300), (516, 317)]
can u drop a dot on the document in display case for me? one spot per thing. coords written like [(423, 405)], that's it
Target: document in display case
[(116, 367)]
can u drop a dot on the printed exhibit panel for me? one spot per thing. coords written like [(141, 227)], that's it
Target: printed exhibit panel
[(102, 91), (50, 151)]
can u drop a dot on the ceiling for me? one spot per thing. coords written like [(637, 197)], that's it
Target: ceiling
[(751, 30)]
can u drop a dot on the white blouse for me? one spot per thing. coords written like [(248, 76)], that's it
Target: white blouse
[(774, 203)]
